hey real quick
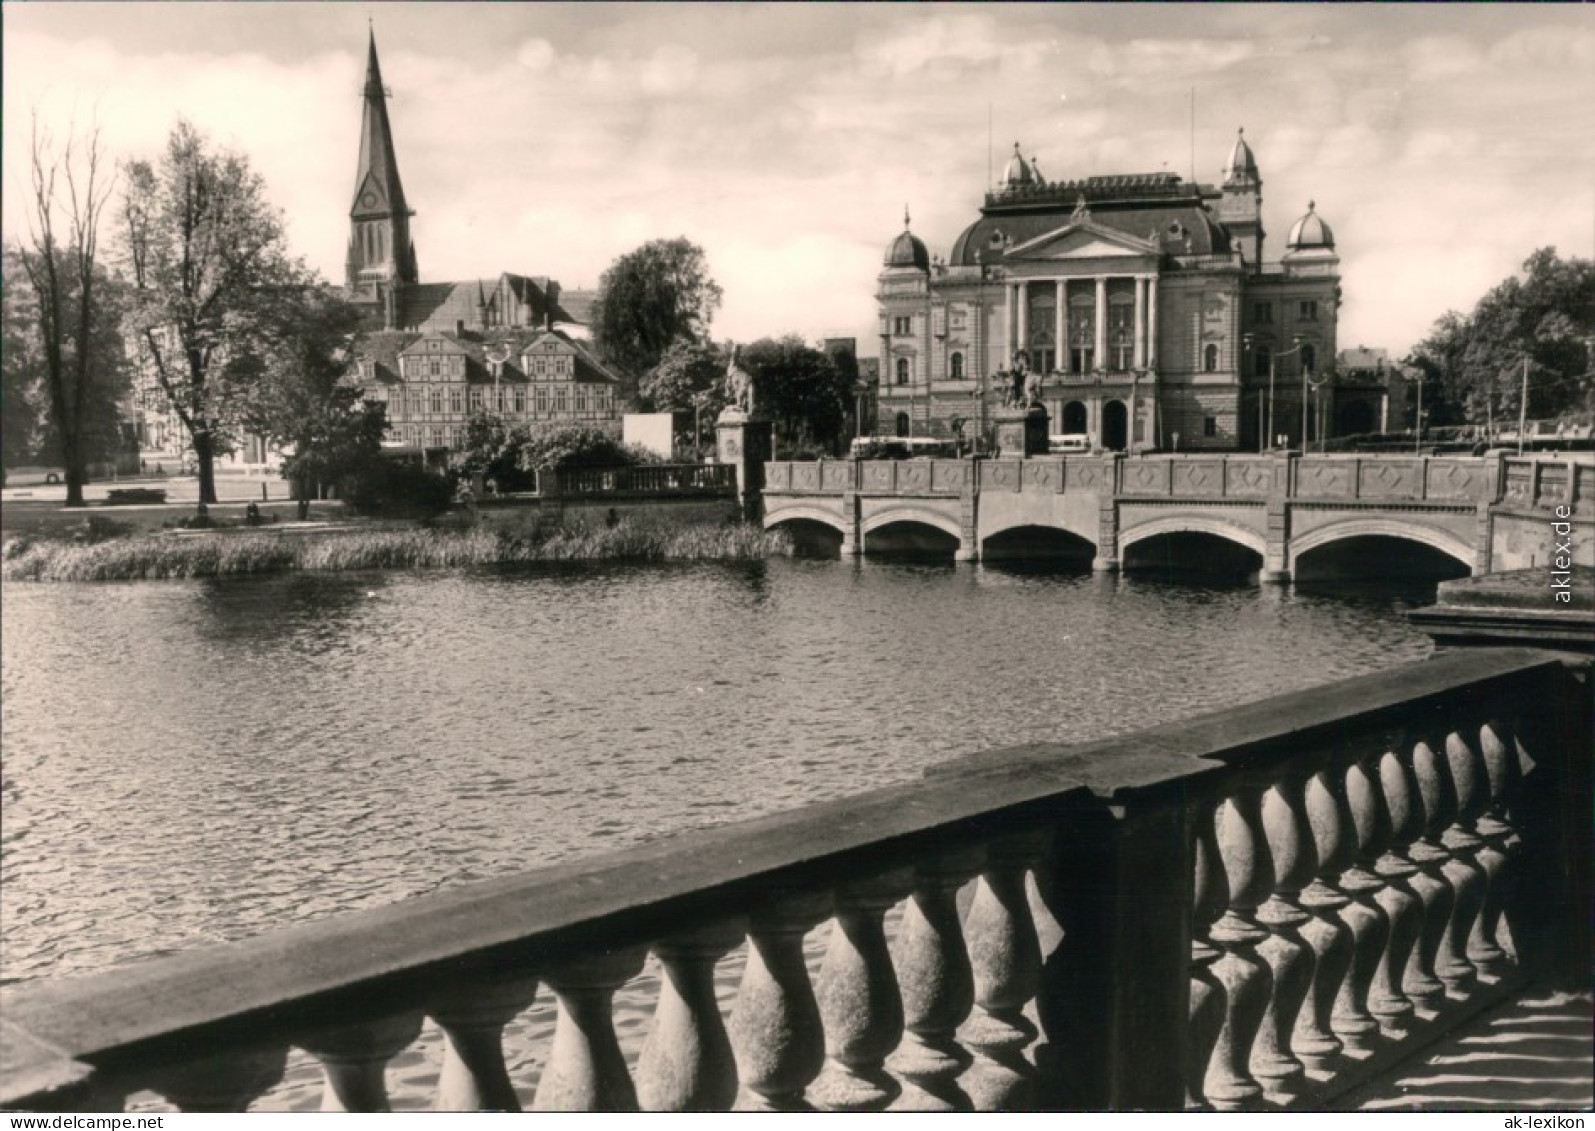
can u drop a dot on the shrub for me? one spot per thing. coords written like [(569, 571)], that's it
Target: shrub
[(393, 489)]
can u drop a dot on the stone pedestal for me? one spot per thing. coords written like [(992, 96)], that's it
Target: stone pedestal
[(1021, 431), (745, 442)]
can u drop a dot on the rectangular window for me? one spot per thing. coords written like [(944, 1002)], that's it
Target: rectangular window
[(520, 401), (542, 400), (581, 398), (436, 399), (1263, 313), (456, 400), (561, 402), (1309, 310), (434, 367), (476, 398), (903, 327), (1209, 426)]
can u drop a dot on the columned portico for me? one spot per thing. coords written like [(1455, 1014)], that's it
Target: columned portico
[(1140, 321)]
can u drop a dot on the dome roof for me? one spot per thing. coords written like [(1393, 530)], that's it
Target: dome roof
[(1310, 232), (907, 250), (1241, 162), (1018, 171)]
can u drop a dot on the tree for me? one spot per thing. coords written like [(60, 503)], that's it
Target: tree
[(78, 356), (800, 388), (292, 387), (205, 254), (21, 362), (650, 299), (1542, 320), (690, 377), (491, 448)]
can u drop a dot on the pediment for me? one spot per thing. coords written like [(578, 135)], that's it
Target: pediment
[(370, 198), (1083, 240)]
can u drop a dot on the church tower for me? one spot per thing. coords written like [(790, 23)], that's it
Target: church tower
[(381, 258), (1241, 207)]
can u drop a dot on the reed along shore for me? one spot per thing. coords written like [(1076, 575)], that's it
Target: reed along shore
[(231, 554)]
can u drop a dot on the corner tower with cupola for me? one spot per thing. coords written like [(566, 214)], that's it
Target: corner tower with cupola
[(1141, 300)]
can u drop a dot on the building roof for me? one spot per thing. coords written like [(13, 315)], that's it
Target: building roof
[(1150, 206), (385, 347), (1242, 166), (576, 306), (377, 190), (1310, 231), (1018, 171), (907, 249)]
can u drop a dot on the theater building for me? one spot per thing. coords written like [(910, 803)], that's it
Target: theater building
[(1146, 303)]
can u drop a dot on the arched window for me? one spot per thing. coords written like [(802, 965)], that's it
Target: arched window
[(1309, 359), (1210, 358), (902, 424), (955, 367), (1264, 361), (902, 371)]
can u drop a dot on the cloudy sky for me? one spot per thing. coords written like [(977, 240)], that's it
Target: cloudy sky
[(1442, 142)]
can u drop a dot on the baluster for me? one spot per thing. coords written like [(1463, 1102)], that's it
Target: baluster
[(1314, 1039), (687, 1064), (354, 1059), (775, 1028), (1205, 1012), (228, 1081), (1247, 982), (1500, 846), (1364, 918), (1401, 904), (472, 1014), (585, 1070), (1467, 878), (937, 984), (1289, 958), (860, 1005), (1005, 956), (1429, 882)]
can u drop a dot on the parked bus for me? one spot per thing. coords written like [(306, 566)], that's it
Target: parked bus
[(904, 447)]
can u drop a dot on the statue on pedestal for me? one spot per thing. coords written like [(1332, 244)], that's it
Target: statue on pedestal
[(738, 385)]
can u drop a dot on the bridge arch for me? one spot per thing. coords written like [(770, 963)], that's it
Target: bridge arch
[(802, 513), (924, 516), (1458, 549), (1193, 524)]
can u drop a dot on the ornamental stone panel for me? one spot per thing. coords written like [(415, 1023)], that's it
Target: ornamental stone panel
[(1453, 479), (879, 475), (949, 475), (1146, 477), (1386, 479), (913, 476), (1203, 478), (836, 476), (1248, 478), (1326, 480), (1043, 475)]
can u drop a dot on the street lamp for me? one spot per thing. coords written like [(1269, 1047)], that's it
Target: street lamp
[(981, 353), (1272, 358), (1417, 420)]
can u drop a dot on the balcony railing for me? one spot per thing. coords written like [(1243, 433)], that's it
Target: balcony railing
[(1253, 909)]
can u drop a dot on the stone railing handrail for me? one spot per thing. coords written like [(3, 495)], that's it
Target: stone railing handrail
[(1167, 904)]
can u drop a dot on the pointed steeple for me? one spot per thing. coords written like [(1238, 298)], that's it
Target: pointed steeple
[(380, 252), (376, 185)]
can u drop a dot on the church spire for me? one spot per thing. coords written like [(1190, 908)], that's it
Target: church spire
[(377, 187), (380, 252)]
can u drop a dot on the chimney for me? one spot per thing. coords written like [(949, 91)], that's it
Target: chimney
[(459, 327)]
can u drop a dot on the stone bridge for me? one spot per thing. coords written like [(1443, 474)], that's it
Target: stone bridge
[(1124, 510)]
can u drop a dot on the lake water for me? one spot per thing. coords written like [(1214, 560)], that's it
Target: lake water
[(191, 762)]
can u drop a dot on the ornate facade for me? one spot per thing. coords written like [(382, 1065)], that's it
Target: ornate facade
[(1145, 303), (439, 353)]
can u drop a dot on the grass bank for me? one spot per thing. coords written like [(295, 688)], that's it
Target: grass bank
[(225, 554)]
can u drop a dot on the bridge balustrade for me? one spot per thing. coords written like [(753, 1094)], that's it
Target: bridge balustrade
[(1253, 909), (648, 479)]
